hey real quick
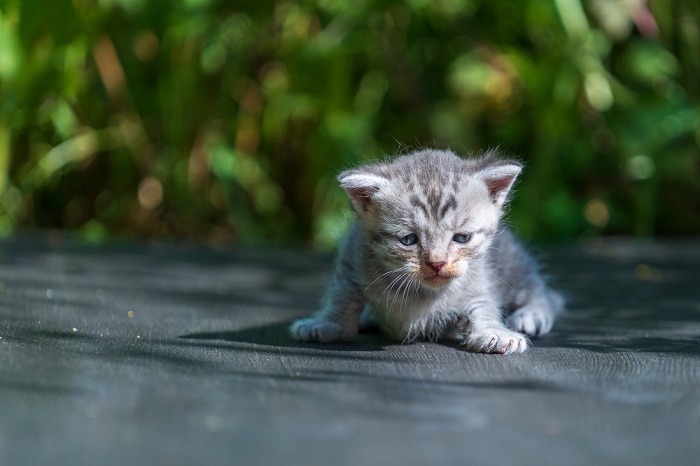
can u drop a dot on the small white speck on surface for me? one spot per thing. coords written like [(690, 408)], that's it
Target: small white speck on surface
[(49, 293), (213, 423), (75, 329), (138, 337), (91, 411)]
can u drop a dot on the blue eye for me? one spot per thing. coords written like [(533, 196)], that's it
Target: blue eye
[(462, 238), (408, 240)]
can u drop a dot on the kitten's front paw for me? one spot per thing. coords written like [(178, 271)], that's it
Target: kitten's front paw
[(496, 340), (316, 329), (532, 321)]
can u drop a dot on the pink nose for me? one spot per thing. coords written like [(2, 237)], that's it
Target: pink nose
[(436, 266)]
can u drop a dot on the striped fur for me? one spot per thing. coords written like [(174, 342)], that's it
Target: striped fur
[(406, 263)]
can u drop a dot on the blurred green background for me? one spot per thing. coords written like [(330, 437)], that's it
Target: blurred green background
[(227, 121)]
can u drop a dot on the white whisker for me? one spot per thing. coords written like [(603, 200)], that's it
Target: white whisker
[(383, 275), (402, 290), (388, 288), (496, 275)]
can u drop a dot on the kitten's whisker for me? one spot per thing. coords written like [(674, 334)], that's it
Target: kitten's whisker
[(406, 290), (415, 285), (396, 293), (402, 289), (474, 281), (485, 281), (383, 275), (388, 288), (496, 275)]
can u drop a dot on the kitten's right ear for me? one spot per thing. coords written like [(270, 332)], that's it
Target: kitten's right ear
[(361, 187), (499, 179)]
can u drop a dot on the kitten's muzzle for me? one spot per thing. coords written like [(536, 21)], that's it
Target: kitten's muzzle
[(436, 266), (440, 276)]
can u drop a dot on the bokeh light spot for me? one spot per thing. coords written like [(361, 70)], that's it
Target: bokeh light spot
[(640, 167), (150, 193), (597, 213), (645, 272)]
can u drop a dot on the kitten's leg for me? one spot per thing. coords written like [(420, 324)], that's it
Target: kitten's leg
[(339, 316), (486, 332), (337, 320), (523, 290), (368, 321), (536, 316)]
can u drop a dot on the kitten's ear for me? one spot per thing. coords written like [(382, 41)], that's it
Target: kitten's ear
[(499, 179), (361, 187)]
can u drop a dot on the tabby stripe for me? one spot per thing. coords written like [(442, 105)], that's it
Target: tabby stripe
[(417, 202), (450, 203)]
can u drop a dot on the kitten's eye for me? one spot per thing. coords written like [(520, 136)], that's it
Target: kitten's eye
[(408, 240), (462, 238)]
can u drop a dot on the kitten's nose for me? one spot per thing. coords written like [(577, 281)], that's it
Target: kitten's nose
[(436, 266)]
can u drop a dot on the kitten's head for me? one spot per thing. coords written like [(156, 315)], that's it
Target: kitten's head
[(427, 213)]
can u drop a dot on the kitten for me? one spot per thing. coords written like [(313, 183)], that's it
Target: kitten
[(428, 258)]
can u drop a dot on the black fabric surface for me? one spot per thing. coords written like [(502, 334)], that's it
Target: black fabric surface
[(149, 355)]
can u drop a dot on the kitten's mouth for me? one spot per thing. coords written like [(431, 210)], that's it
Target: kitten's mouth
[(437, 280)]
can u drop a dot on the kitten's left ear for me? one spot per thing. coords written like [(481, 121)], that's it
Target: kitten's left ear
[(499, 179), (362, 187)]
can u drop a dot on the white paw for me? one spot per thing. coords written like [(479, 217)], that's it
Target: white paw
[(532, 321), (316, 329), (496, 340)]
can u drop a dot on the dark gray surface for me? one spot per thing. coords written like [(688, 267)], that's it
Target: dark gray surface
[(177, 355)]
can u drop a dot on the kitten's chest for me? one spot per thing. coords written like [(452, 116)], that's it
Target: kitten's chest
[(408, 316), (397, 320)]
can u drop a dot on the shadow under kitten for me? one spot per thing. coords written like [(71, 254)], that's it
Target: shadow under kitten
[(277, 335)]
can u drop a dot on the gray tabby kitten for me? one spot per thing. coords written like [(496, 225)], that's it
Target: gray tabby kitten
[(428, 259)]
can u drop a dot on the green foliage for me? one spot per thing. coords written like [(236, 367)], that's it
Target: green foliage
[(229, 120)]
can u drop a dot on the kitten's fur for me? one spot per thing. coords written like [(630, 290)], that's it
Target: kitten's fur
[(406, 263)]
